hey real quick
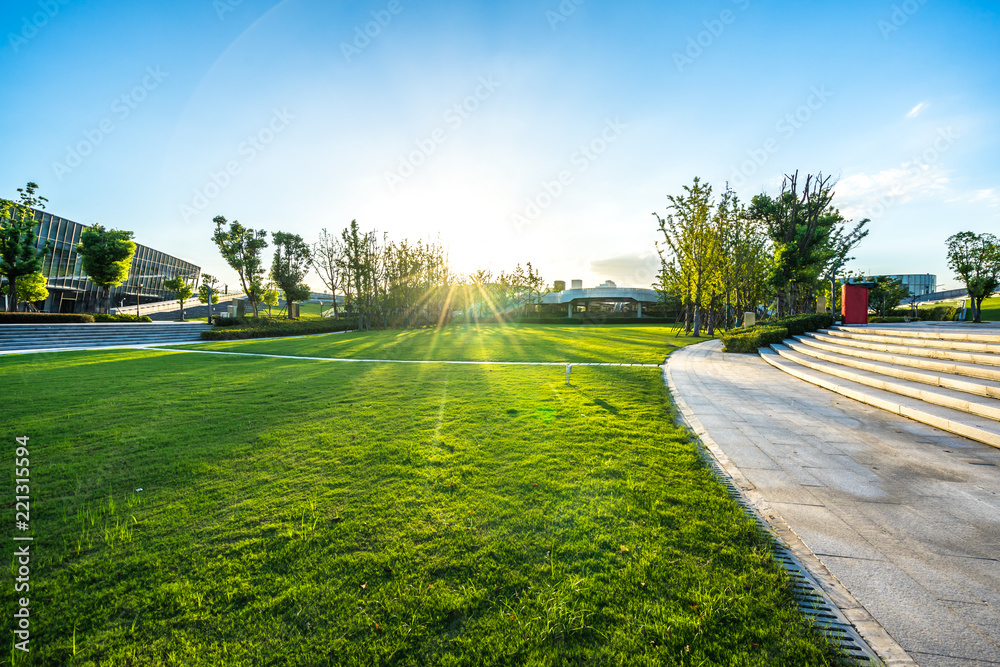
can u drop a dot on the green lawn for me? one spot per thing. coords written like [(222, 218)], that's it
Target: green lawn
[(490, 342), (991, 308), (303, 513)]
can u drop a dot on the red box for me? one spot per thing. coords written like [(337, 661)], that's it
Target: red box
[(854, 304)]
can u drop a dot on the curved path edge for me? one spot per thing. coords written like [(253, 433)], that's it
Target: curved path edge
[(878, 639)]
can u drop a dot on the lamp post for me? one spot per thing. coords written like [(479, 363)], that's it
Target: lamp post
[(138, 294)]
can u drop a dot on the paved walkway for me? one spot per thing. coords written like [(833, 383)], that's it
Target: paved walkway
[(907, 517)]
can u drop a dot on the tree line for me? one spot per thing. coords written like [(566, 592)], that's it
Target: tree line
[(721, 258), (384, 283)]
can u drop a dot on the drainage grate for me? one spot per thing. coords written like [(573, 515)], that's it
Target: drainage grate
[(809, 595)]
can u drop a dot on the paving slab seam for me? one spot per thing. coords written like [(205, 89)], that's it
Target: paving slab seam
[(869, 631)]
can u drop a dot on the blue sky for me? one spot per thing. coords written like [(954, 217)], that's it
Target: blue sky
[(539, 131)]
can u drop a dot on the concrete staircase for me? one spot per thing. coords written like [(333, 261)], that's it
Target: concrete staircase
[(27, 337), (945, 375)]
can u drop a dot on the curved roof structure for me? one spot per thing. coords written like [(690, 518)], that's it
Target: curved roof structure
[(639, 294)]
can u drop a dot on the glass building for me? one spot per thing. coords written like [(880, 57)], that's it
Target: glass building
[(919, 284), (71, 292)]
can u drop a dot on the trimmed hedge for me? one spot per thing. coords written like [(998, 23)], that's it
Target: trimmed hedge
[(275, 328), (887, 320), (773, 331), (122, 317), (45, 318), (938, 313), (753, 338), (800, 324)]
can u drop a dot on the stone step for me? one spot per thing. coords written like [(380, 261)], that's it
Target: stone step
[(930, 343), (949, 398), (831, 344), (16, 337), (954, 421), (908, 349), (979, 387), (952, 333)]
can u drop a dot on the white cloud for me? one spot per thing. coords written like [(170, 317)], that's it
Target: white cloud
[(991, 196), (915, 111), (867, 195)]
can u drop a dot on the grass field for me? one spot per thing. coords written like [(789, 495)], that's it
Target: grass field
[(991, 308), (295, 512), (492, 342)]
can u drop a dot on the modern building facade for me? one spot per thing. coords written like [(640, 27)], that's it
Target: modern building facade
[(919, 284), (71, 292)]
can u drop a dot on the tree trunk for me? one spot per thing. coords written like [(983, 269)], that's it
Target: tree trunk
[(12, 291), (977, 306)]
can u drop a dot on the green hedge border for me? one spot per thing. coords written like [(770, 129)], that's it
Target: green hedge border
[(45, 318), (770, 332), (268, 328)]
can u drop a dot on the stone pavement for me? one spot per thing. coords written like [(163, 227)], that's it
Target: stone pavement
[(905, 516)]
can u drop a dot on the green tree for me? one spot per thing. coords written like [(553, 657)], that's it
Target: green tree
[(292, 258), (270, 296), (886, 294), (975, 258), (208, 281), (241, 248), (691, 256), (807, 236), (19, 254), (30, 288), (107, 256), (182, 291), (208, 286)]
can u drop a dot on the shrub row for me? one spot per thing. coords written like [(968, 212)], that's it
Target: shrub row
[(774, 331), (275, 328), (753, 338), (888, 320), (45, 318), (800, 324), (122, 317)]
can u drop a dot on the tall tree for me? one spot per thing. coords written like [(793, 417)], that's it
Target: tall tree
[(692, 241), (182, 291), (806, 233), (241, 247), (975, 258), (107, 257), (328, 260), (290, 265), (19, 254)]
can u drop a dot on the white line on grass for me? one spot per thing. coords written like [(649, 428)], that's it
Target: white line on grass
[(409, 361)]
